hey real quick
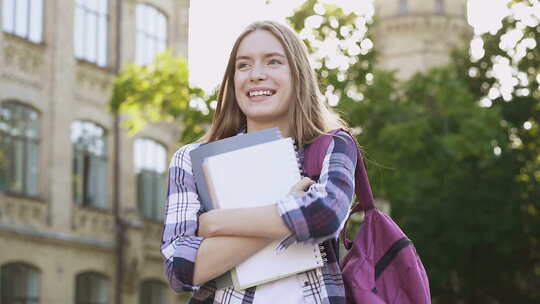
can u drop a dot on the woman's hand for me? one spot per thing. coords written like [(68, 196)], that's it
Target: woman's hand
[(302, 185)]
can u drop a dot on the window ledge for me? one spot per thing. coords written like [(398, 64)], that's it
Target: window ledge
[(31, 198), (21, 39), (94, 209), (152, 220), (92, 65)]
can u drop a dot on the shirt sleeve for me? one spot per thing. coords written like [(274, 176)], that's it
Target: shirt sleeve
[(180, 243), (320, 213)]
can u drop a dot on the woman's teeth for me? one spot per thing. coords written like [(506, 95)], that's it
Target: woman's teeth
[(259, 93)]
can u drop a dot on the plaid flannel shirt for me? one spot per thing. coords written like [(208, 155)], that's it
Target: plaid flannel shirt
[(316, 216)]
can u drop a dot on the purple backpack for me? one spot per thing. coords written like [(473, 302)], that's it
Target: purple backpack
[(382, 265)]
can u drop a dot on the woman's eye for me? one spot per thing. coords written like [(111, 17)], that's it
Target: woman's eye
[(241, 65), (274, 61)]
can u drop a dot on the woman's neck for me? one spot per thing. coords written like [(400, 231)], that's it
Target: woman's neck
[(257, 126)]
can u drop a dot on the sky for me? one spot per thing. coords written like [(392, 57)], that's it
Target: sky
[(214, 26)]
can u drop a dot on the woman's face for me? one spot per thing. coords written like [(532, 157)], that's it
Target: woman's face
[(262, 79)]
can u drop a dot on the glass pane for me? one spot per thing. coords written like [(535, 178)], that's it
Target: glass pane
[(5, 117), (32, 124), (102, 184), (102, 41), (149, 189), (161, 196), (103, 9), (92, 182), (161, 159), (32, 173), (79, 32), (77, 176), (403, 6), (139, 47), (439, 6), (151, 49), (5, 142), (21, 19), (91, 5), (17, 170), (162, 27), (151, 21), (8, 16), (91, 47), (139, 17), (102, 291), (137, 154), (32, 286), (36, 20)]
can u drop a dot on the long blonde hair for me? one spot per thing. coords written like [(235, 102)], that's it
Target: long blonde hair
[(309, 116)]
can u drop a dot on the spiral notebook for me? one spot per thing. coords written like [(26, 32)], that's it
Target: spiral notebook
[(254, 176)]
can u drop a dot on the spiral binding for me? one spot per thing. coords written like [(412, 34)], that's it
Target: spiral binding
[(324, 256), (299, 158), (321, 253)]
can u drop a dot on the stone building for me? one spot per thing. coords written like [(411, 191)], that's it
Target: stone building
[(73, 185), (415, 35)]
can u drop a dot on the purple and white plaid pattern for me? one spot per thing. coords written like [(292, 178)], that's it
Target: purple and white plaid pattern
[(315, 217)]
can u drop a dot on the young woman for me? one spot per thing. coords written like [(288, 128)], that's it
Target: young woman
[(268, 83)]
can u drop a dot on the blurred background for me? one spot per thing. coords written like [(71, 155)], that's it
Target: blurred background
[(97, 95)]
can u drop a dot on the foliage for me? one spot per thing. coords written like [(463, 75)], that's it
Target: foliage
[(160, 92), (341, 49), (461, 177)]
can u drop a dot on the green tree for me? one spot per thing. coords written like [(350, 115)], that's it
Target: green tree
[(160, 92), (462, 178), (341, 47)]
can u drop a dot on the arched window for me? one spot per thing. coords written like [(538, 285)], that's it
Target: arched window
[(151, 33), (439, 7), (91, 288), (89, 164), (19, 283), (91, 28), (153, 292), (23, 18), (19, 149), (403, 9), (150, 166)]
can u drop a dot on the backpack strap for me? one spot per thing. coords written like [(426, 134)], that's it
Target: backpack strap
[(313, 159)]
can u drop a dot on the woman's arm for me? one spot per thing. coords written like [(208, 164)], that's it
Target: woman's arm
[(192, 257), (315, 215), (235, 249), (218, 255)]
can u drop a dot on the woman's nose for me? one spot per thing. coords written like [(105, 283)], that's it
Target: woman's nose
[(257, 73)]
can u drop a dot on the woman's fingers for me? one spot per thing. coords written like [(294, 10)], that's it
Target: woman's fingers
[(302, 185)]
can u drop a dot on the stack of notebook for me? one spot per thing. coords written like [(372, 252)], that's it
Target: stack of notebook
[(251, 170)]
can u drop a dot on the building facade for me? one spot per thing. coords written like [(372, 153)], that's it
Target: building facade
[(415, 35), (81, 202)]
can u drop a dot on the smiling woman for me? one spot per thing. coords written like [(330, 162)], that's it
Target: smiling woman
[(262, 81), (268, 82)]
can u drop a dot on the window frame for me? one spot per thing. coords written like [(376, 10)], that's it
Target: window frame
[(92, 275), (85, 24), (27, 142), (403, 7), (30, 269), (141, 31), (439, 7), (28, 22), (149, 285), (158, 179), (83, 198)]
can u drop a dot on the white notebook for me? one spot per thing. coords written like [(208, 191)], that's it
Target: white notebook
[(256, 176)]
